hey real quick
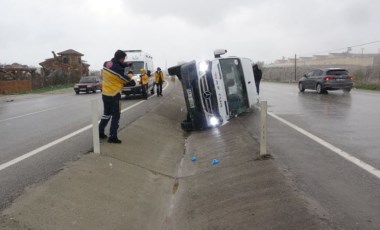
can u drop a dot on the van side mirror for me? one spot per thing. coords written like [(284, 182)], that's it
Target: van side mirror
[(219, 52), (305, 76)]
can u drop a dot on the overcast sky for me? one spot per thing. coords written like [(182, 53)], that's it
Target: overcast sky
[(179, 30)]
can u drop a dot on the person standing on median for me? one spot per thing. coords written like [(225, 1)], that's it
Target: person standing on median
[(113, 82), (159, 80), (257, 74)]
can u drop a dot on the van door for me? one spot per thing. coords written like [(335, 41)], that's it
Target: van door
[(249, 79)]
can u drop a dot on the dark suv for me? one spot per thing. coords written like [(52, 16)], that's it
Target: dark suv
[(88, 84), (322, 80)]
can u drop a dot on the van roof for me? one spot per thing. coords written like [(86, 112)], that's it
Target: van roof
[(132, 51)]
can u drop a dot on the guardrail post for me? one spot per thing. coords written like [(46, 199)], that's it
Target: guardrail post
[(263, 129), (95, 129)]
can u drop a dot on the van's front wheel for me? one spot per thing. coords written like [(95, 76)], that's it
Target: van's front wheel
[(186, 125)]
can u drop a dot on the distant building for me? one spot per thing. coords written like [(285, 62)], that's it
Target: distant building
[(15, 71), (66, 67), (343, 59), (15, 78), (68, 61)]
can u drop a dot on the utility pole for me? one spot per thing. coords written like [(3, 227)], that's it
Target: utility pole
[(295, 67)]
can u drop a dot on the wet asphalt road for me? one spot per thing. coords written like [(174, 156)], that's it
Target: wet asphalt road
[(350, 122), (28, 122), (349, 194)]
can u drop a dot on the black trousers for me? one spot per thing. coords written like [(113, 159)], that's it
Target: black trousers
[(159, 89), (112, 108), (257, 83), (144, 90)]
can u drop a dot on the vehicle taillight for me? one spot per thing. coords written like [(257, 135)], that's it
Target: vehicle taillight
[(349, 77), (328, 78)]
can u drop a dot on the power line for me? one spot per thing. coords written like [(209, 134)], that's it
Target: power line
[(345, 48)]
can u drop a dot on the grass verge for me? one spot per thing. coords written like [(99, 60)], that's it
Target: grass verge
[(368, 86), (49, 88)]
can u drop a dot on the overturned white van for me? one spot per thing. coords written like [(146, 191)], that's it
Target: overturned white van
[(215, 90)]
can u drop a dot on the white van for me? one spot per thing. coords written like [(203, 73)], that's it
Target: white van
[(215, 90), (138, 60)]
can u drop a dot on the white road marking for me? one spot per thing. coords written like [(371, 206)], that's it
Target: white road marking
[(51, 144), (59, 140), (41, 111), (42, 148), (24, 115), (337, 150)]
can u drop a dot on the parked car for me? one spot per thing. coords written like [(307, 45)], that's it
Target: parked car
[(322, 80), (88, 84)]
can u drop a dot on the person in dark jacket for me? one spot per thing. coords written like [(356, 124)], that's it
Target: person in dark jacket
[(258, 74), (113, 82)]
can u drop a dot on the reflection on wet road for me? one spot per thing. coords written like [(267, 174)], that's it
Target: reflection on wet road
[(348, 121), (345, 188)]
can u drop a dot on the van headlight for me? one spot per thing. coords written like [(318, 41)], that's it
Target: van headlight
[(214, 121), (203, 67)]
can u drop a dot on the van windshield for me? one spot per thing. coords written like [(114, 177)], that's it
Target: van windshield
[(233, 78), (135, 68)]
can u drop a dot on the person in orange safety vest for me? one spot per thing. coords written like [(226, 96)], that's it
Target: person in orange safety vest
[(144, 79)]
